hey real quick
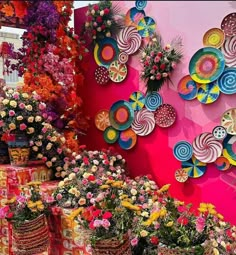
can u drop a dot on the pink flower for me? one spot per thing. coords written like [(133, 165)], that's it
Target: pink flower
[(1, 123), (106, 223), (181, 208), (16, 96), (11, 113), (173, 65), (59, 196), (200, 224), (156, 59), (59, 150), (4, 211), (97, 223), (134, 241), (22, 105), (36, 97), (84, 181), (44, 130), (158, 76), (42, 106), (23, 126), (91, 225), (76, 169), (89, 195)]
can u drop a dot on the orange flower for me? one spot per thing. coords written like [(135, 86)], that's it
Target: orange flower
[(20, 8), (8, 10)]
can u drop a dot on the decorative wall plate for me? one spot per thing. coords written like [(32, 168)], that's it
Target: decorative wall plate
[(117, 71), (214, 37), (101, 75), (143, 123), (206, 65), (194, 167), (228, 121), (208, 93), (222, 164), (146, 26), (229, 51), (165, 115), (111, 135), (229, 150), (219, 132), (137, 100), (127, 139), (181, 175), (106, 51), (133, 16), (123, 57), (102, 120), (227, 81), (140, 5), (121, 115), (187, 88), (206, 148), (228, 24), (153, 100), (129, 40), (183, 151)]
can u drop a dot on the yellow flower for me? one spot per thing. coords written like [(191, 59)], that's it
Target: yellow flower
[(216, 252), (12, 126), (40, 207), (163, 212), (104, 186), (5, 101), (117, 184), (220, 216), (128, 205), (109, 181), (164, 188), (32, 205), (170, 224), (39, 202), (143, 233), (75, 213), (35, 183), (13, 103), (11, 201), (124, 196), (212, 211), (147, 223)]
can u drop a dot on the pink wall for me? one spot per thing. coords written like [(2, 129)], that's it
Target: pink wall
[(153, 153)]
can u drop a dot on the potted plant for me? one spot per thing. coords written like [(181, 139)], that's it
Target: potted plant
[(21, 118), (27, 214)]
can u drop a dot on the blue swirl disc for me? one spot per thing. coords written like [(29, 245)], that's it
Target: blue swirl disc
[(153, 100), (140, 5), (183, 151), (227, 81), (208, 93)]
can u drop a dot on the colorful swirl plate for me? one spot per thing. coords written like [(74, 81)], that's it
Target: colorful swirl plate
[(194, 167), (106, 51), (208, 93), (146, 26), (137, 100), (121, 115), (229, 150), (227, 81), (187, 88), (219, 132), (133, 16), (102, 120), (183, 151), (111, 135), (206, 65), (228, 121), (222, 164), (127, 139), (214, 37)]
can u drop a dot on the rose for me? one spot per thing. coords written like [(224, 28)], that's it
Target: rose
[(11, 113), (29, 107), (12, 126), (49, 164), (134, 241), (13, 103), (19, 117), (99, 19), (154, 240), (59, 196), (30, 119), (3, 114), (5, 101), (25, 95), (22, 105), (30, 130), (106, 11), (162, 66), (82, 201), (106, 223), (38, 118), (101, 13), (143, 233), (96, 7)]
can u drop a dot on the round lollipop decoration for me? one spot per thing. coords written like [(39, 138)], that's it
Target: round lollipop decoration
[(229, 51), (143, 123), (228, 24), (111, 135), (206, 148), (140, 5), (129, 40), (117, 71), (208, 93), (181, 175), (101, 75), (127, 139), (165, 115), (146, 26), (123, 57), (137, 100), (214, 37), (183, 151), (222, 164), (194, 167), (102, 120), (219, 132), (227, 81), (187, 88)]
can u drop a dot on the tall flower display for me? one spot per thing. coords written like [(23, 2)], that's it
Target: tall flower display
[(51, 59)]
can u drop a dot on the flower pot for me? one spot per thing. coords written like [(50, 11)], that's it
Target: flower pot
[(112, 246), (19, 150), (31, 237)]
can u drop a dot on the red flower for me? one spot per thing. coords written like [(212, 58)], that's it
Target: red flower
[(160, 54), (9, 215), (106, 11), (89, 18), (107, 215), (86, 161), (91, 178), (162, 66), (96, 7), (181, 208), (94, 32), (96, 213), (103, 27), (91, 225), (154, 240), (183, 220), (113, 196), (99, 19)]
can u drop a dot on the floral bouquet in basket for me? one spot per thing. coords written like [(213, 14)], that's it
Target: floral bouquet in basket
[(158, 62), (25, 207)]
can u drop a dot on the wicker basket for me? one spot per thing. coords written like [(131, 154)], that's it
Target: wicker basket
[(112, 246), (31, 237)]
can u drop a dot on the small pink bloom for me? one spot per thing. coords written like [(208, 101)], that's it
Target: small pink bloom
[(15, 96), (84, 181), (156, 59), (44, 159), (23, 126), (89, 195), (76, 169), (97, 223), (42, 106), (173, 65), (44, 130), (11, 113), (1, 123), (200, 224), (59, 196), (106, 223), (59, 150), (134, 241), (22, 105)]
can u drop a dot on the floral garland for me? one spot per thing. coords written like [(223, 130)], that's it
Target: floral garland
[(51, 59)]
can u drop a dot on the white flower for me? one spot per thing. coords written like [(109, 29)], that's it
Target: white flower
[(86, 24), (29, 107), (101, 13), (63, 139), (72, 176), (99, 29), (3, 114), (10, 91), (48, 163), (38, 118), (94, 169), (49, 146), (25, 95), (30, 119), (53, 139), (5, 101), (78, 157), (61, 184), (108, 22), (133, 198), (152, 78), (95, 162), (19, 117), (13, 103), (145, 214), (144, 54), (39, 155), (133, 192), (35, 148), (143, 233), (30, 130), (40, 136), (54, 159)]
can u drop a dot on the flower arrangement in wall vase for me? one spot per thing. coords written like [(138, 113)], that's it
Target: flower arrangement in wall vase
[(212, 69), (216, 147)]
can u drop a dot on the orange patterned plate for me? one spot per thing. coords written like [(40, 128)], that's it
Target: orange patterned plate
[(214, 37), (102, 120), (181, 175)]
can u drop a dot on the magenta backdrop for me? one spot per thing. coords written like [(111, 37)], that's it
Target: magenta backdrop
[(153, 154)]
